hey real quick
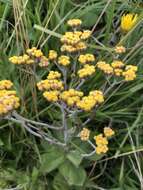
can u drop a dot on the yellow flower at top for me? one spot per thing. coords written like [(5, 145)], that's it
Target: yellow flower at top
[(128, 21), (74, 22)]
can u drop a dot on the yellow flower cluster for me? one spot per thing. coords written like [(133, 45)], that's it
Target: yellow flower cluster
[(84, 134), (5, 84), (89, 102), (70, 38), (64, 60), (120, 49), (128, 21), (85, 35), (108, 132), (97, 95), (71, 96), (105, 67), (33, 55), (34, 52), (52, 55), (101, 143), (24, 59), (86, 58), (53, 75), (130, 72), (51, 96), (72, 49), (44, 61), (8, 99), (73, 41), (73, 38), (100, 140), (86, 71), (118, 68), (51, 83), (74, 22), (117, 64), (118, 72)]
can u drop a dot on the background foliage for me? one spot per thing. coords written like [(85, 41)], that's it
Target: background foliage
[(29, 164)]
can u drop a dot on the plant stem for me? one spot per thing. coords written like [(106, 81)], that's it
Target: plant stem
[(64, 124), (36, 132)]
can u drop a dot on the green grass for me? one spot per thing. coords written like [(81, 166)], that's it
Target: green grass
[(40, 23)]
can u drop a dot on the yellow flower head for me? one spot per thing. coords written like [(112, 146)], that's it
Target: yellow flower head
[(80, 46), (105, 67), (101, 149), (52, 55), (64, 60), (5, 84), (50, 85), (86, 103), (108, 132), (97, 95), (86, 71), (71, 96), (129, 75), (84, 134), (8, 98), (117, 64), (74, 22), (120, 49), (68, 48), (85, 58), (53, 75), (118, 72), (128, 21), (100, 140), (51, 96), (44, 62), (85, 34), (70, 38)]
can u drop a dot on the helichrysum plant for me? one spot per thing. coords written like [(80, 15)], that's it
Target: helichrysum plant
[(74, 65)]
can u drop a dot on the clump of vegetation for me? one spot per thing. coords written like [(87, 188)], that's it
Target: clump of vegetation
[(76, 101)]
